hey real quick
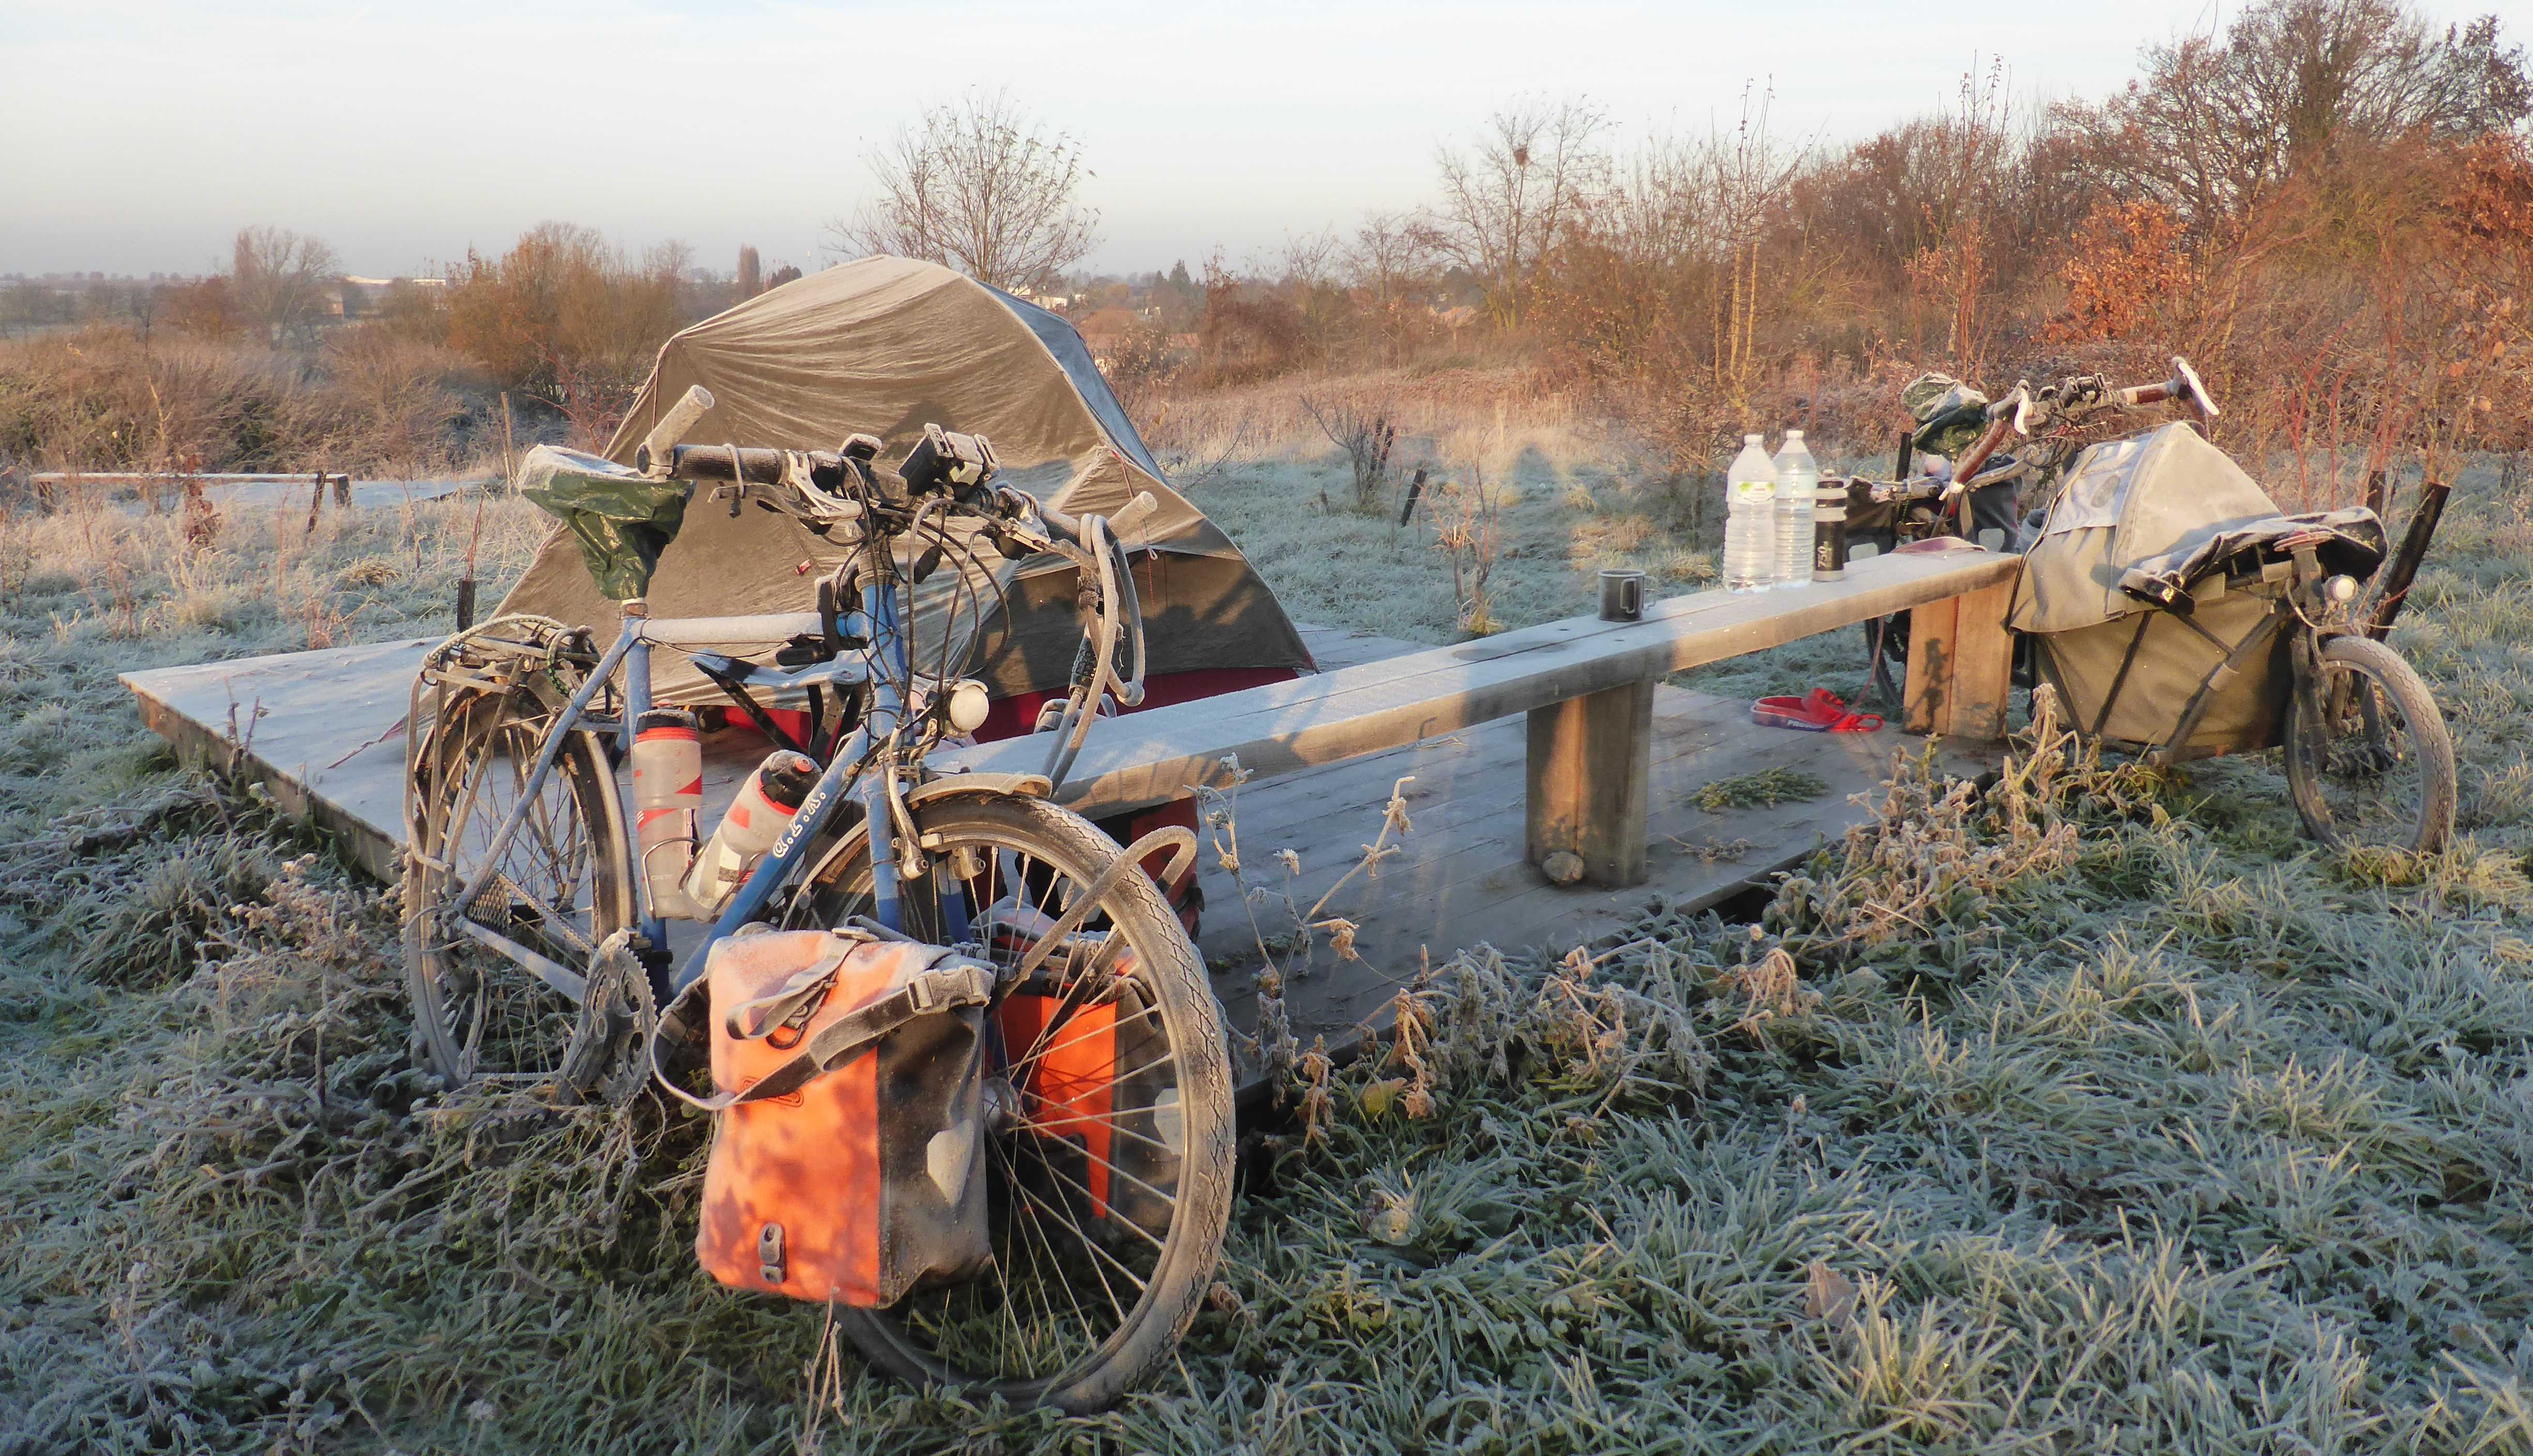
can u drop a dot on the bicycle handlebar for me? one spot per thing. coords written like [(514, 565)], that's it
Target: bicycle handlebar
[(758, 465), (2024, 409)]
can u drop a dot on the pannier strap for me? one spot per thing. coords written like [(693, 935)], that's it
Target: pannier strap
[(953, 982)]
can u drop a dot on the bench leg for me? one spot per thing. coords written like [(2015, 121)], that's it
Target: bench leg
[(1983, 663), (1591, 762), (1960, 665)]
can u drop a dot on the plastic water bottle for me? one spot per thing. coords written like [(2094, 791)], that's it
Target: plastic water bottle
[(749, 826), (1749, 519), (667, 794), (1797, 487)]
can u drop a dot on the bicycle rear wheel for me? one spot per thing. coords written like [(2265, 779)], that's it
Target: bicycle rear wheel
[(1112, 1155), (2375, 764), (560, 888)]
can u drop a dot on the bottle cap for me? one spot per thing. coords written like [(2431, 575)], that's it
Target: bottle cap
[(1749, 440), (1792, 434)]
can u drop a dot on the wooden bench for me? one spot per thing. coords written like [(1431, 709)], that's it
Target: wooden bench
[(1586, 684)]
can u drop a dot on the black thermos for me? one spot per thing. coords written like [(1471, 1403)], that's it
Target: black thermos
[(1829, 532)]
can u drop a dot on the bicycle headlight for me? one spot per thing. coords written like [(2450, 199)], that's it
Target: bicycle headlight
[(2340, 589), (966, 706)]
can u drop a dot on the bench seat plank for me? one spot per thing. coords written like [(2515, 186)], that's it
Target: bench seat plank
[(1150, 757)]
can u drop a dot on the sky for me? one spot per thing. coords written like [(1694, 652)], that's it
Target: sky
[(138, 138)]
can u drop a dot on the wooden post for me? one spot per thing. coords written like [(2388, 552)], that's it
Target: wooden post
[(1591, 763), (1960, 665), (1982, 662)]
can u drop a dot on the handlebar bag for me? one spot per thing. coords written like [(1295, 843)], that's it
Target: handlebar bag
[(847, 1164)]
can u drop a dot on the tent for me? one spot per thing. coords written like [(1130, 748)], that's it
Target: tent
[(883, 346)]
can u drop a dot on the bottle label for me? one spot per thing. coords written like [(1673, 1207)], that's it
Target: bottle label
[(1754, 492)]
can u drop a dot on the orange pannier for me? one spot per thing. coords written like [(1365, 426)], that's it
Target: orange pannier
[(1098, 1088), (846, 1163)]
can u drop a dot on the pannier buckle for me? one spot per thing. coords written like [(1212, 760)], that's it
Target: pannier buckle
[(769, 1254)]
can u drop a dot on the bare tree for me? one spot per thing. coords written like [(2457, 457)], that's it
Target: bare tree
[(1507, 203), (1389, 256), (279, 277), (980, 187), (751, 273), (1391, 253), (2216, 124)]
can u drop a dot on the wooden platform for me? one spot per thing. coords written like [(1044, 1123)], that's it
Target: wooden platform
[(323, 732)]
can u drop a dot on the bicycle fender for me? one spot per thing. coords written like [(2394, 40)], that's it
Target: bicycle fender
[(979, 786)]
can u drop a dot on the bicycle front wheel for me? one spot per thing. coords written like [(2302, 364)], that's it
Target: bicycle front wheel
[(1111, 1157), (494, 988), (2373, 764)]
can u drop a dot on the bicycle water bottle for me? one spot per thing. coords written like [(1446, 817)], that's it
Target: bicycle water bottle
[(749, 826), (1749, 519), (1797, 485), (667, 794)]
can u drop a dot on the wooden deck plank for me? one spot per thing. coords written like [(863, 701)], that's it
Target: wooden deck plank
[(1462, 881), (321, 731)]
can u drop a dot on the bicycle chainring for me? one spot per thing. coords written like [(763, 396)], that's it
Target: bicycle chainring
[(608, 1059)]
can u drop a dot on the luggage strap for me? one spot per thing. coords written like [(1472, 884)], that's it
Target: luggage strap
[(952, 981)]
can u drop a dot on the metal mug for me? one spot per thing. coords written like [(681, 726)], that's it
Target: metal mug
[(1623, 594)]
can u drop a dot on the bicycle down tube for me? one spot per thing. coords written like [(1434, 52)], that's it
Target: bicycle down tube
[(887, 707)]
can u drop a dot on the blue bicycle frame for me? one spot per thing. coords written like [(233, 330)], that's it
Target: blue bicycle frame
[(888, 655)]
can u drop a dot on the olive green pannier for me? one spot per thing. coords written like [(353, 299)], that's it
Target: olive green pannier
[(2150, 643)]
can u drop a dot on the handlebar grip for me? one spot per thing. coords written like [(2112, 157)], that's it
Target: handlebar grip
[(673, 426), (1137, 511), (756, 465)]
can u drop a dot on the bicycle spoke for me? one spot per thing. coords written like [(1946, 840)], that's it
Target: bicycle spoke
[(1054, 1264), (1011, 1327), (1084, 1189), (1091, 1245), (1170, 1198), (494, 1016), (1066, 1006)]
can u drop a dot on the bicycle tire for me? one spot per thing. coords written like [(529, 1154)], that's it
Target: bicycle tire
[(1170, 969), (2309, 749), (478, 1013)]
